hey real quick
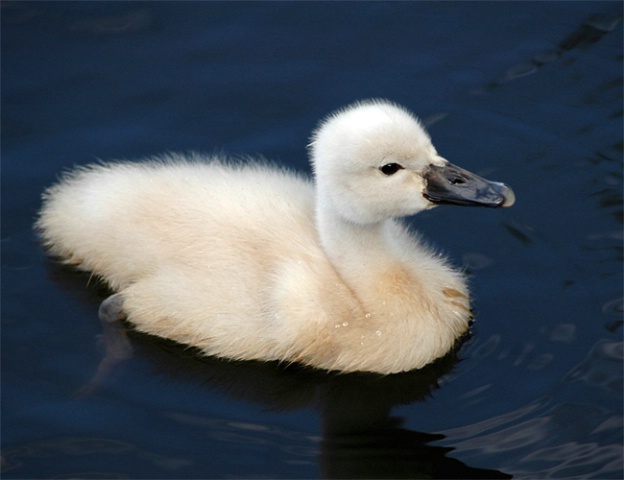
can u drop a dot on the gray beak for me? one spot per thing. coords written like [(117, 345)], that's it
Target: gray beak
[(451, 185)]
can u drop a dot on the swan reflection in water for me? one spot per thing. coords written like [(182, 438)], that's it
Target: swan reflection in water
[(360, 437)]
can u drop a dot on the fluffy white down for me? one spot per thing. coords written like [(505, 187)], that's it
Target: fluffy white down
[(250, 261)]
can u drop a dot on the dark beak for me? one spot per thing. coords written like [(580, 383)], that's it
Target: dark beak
[(451, 185)]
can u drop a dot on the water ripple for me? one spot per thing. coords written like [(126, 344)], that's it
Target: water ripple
[(601, 368), (542, 444)]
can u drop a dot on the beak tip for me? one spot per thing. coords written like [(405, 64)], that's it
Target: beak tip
[(509, 197)]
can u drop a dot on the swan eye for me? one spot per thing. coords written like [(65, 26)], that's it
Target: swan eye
[(390, 168)]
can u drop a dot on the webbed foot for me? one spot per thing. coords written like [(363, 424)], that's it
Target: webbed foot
[(111, 309), (117, 347)]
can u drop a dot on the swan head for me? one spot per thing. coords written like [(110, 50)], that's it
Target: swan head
[(373, 160)]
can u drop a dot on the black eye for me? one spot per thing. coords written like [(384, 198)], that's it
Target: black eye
[(390, 168)]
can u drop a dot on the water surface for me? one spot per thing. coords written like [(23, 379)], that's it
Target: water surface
[(526, 93)]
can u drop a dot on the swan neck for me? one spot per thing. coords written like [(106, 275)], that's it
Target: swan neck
[(352, 246)]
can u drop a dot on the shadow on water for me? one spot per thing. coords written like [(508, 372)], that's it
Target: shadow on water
[(360, 437)]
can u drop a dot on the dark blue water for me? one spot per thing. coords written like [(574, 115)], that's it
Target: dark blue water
[(526, 93)]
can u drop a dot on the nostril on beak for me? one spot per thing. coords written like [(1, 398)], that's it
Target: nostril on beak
[(457, 181)]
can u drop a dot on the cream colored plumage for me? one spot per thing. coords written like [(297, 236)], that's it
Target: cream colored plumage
[(250, 261)]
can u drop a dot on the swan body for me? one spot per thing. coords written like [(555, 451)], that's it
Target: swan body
[(251, 261)]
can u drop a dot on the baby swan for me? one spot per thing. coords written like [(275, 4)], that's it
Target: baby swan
[(249, 261)]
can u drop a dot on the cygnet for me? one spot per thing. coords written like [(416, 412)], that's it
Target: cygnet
[(247, 260)]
